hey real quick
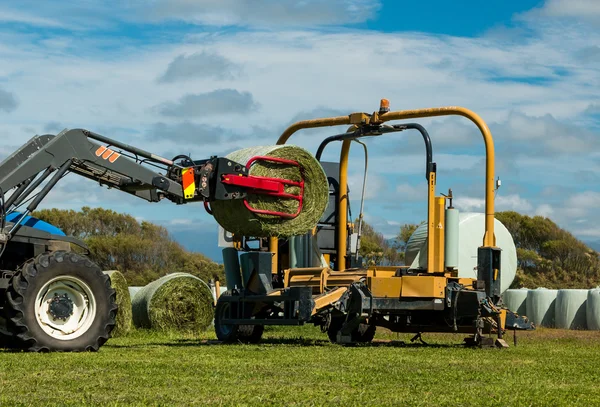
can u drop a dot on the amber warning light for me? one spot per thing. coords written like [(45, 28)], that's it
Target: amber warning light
[(384, 106)]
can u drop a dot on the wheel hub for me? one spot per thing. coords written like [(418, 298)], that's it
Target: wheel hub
[(60, 307)]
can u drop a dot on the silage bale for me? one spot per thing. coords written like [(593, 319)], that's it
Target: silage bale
[(540, 307), (471, 228), (124, 319), (234, 217), (178, 301), (592, 309), (133, 291), (516, 300), (570, 309)]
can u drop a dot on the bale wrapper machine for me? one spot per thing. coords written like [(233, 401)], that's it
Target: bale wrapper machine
[(317, 278)]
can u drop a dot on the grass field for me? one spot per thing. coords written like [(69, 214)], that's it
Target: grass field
[(298, 366)]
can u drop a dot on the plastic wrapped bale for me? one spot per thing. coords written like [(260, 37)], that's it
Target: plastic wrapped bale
[(123, 320), (234, 217), (540, 307), (570, 309), (178, 301), (133, 291), (471, 228), (592, 309), (516, 300)]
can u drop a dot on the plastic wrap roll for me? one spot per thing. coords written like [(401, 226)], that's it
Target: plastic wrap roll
[(133, 291), (452, 238), (516, 300), (570, 309), (471, 229), (592, 309), (541, 307)]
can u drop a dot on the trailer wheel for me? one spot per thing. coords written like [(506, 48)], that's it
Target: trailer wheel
[(234, 333), (364, 333), (61, 301)]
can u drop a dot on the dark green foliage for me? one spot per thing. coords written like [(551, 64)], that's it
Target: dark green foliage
[(375, 249), (549, 256), (142, 251)]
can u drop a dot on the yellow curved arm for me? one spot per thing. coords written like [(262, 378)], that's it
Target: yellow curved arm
[(489, 239)]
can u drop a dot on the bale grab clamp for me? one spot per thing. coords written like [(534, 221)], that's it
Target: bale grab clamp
[(269, 186)]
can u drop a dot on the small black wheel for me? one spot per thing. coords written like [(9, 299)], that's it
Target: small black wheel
[(234, 333), (364, 333), (335, 324), (250, 333), (60, 301)]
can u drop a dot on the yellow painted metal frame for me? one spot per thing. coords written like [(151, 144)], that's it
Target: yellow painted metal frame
[(489, 239)]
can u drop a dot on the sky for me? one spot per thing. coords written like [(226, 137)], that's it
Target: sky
[(209, 77)]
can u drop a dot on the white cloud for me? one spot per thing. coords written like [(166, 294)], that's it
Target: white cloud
[(544, 210), (9, 16), (411, 193), (217, 102), (586, 9), (200, 65), (502, 203), (582, 204), (8, 101), (262, 13)]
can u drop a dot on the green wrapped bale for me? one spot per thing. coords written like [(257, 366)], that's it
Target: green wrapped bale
[(178, 301), (234, 217), (124, 320)]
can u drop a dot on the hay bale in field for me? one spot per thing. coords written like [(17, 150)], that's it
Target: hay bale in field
[(236, 218), (123, 320), (178, 301)]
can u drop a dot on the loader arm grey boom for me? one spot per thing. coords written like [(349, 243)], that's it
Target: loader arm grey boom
[(123, 169)]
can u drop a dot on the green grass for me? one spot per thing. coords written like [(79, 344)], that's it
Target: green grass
[(298, 366)]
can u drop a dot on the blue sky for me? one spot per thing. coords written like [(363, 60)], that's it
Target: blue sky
[(156, 74)]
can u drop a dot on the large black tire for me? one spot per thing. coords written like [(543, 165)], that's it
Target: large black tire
[(35, 278), (234, 333)]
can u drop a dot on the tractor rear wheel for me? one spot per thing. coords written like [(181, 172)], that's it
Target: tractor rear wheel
[(60, 301), (234, 333)]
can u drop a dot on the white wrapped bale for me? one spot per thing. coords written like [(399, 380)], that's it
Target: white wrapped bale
[(570, 309), (540, 307), (592, 309), (516, 300), (133, 291), (471, 228)]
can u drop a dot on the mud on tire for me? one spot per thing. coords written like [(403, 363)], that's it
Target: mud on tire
[(60, 301)]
